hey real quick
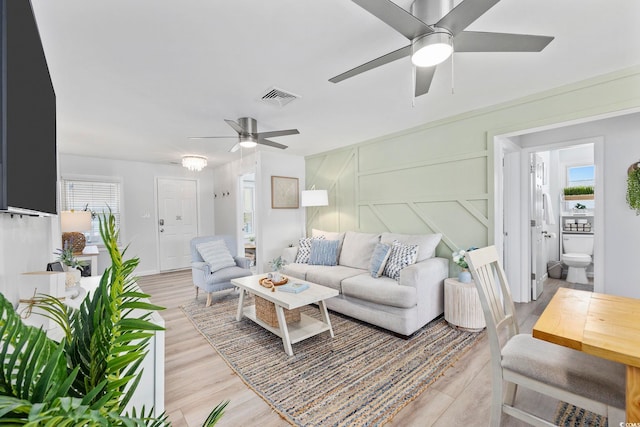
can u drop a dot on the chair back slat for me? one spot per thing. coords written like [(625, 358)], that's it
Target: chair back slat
[(494, 293)]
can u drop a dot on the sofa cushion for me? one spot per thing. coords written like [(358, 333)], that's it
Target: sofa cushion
[(401, 256), (216, 254), (324, 252), (299, 270), (304, 249), (331, 276), (426, 242), (383, 290), (357, 249), (226, 274), (379, 259)]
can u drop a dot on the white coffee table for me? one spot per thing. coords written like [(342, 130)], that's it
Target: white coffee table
[(295, 332)]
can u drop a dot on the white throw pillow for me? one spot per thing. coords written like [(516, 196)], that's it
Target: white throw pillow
[(216, 254)]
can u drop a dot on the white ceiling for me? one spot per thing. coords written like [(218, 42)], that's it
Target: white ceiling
[(135, 78)]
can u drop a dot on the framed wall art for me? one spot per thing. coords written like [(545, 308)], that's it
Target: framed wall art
[(284, 192)]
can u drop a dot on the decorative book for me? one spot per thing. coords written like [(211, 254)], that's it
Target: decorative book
[(293, 288)]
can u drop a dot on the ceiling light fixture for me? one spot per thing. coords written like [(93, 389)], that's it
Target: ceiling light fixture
[(194, 163), (432, 49), (248, 141)]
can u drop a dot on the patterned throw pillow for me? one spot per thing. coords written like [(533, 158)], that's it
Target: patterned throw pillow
[(304, 249), (216, 254), (400, 257), (324, 252), (379, 259)]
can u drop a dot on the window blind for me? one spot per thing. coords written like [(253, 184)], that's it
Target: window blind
[(97, 196)]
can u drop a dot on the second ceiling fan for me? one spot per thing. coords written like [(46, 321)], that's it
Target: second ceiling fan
[(436, 29), (248, 135)]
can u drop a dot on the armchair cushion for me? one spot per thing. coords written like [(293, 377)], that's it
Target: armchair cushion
[(216, 254)]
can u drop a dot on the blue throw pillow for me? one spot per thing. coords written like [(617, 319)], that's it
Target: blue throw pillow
[(379, 259), (324, 252)]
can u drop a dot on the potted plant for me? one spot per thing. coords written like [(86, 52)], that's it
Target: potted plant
[(633, 187), (72, 266), (277, 264), (581, 192), (91, 374), (458, 257)]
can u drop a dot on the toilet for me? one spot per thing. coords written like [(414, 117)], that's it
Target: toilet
[(576, 254)]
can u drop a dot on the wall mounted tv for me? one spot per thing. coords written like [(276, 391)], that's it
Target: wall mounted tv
[(28, 165)]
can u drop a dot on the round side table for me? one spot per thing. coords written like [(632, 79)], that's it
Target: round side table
[(462, 308)]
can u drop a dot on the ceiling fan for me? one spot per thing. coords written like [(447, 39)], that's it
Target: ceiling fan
[(436, 29), (248, 135)]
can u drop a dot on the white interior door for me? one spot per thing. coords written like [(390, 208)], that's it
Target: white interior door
[(177, 221), (538, 258)]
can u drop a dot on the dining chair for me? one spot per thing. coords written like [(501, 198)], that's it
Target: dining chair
[(586, 381)]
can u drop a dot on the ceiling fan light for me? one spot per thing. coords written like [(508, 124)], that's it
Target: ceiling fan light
[(194, 163), (247, 141), (432, 49)]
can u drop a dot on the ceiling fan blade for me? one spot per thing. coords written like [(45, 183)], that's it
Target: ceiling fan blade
[(384, 59), (275, 133), (235, 148), (473, 41), (271, 143), (396, 17), (464, 14), (211, 137), (235, 126), (424, 75)]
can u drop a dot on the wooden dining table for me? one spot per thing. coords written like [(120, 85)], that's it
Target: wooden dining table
[(606, 326)]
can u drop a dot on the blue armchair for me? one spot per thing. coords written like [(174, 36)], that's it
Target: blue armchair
[(213, 281)]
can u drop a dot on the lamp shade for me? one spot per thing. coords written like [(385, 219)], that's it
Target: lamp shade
[(75, 221), (314, 198)]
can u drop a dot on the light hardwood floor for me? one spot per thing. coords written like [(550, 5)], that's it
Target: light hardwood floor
[(196, 378)]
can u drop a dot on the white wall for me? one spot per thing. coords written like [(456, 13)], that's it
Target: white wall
[(278, 228), (25, 245), (621, 232), (139, 211), (275, 228)]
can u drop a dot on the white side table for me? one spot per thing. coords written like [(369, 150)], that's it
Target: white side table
[(462, 308)]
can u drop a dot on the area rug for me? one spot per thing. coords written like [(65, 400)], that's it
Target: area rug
[(568, 415), (362, 377)]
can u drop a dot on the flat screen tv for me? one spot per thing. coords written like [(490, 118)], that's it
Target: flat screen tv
[(28, 164)]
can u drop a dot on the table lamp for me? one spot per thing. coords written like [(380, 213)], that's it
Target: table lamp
[(72, 224)]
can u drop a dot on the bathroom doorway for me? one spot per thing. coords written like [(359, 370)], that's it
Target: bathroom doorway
[(523, 260)]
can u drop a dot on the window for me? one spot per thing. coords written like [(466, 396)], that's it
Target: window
[(579, 176), (94, 195)]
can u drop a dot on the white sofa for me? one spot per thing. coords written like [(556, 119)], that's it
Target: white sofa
[(402, 306)]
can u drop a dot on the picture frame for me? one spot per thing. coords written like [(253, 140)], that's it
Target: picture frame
[(284, 192)]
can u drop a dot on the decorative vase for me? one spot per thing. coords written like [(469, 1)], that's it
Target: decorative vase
[(73, 276), (464, 276)]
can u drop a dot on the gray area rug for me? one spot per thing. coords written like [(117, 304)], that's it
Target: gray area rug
[(568, 415), (362, 377)]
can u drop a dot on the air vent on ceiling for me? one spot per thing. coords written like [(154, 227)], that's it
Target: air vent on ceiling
[(278, 97)]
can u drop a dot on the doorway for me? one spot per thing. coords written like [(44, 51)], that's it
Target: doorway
[(526, 261), (248, 216), (177, 221)]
